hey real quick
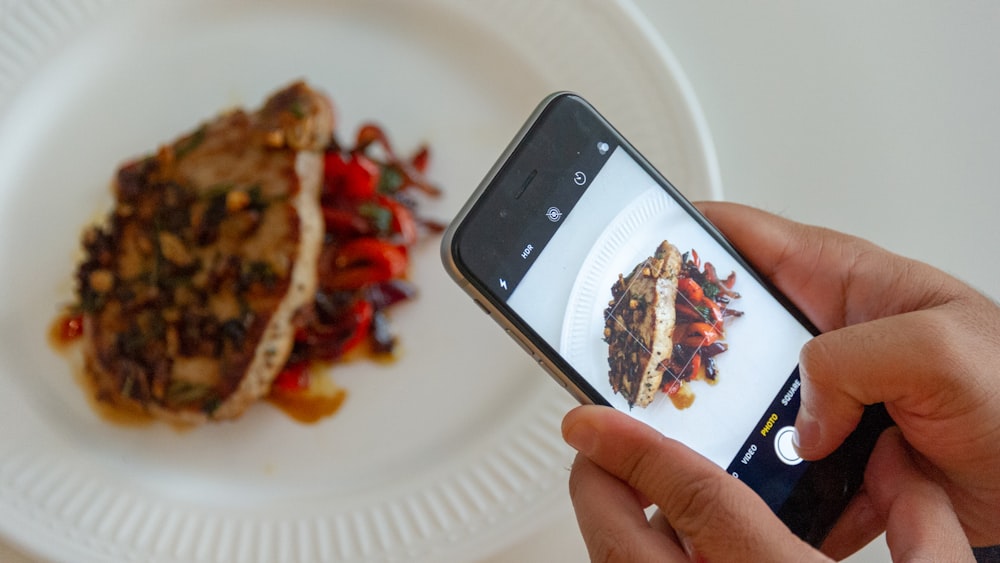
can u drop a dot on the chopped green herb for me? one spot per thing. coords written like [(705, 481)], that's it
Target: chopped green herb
[(218, 191), (390, 179), (91, 301), (378, 216), (256, 194), (211, 405), (705, 313), (258, 271), (186, 392), (297, 109), (191, 142), (711, 290)]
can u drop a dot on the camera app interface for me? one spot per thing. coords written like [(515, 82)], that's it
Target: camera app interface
[(664, 323)]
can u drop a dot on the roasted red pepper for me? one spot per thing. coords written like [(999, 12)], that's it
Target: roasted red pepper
[(691, 290), (355, 178), (420, 159), (72, 328), (695, 335), (369, 230), (337, 331), (345, 223), (370, 133), (360, 316), (365, 261), (294, 377)]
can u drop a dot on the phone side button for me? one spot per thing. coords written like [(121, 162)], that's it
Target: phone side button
[(562, 382), (521, 343), (481, 306)]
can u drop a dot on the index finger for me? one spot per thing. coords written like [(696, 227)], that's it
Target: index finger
[(834, 278)]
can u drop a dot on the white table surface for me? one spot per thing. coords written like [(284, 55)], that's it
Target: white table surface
[(879, 119)]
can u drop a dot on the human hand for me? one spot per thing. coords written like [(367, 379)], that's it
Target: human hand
[(895, 331), (706, 514)]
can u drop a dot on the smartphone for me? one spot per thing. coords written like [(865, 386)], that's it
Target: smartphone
[(627, 296)]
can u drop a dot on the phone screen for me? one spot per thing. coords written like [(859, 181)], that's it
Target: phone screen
[(620, 286), (729, 387)]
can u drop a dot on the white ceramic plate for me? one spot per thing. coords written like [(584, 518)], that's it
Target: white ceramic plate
[(448, 454)]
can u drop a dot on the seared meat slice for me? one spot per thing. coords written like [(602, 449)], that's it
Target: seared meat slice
[(639, 324), (191, 286)]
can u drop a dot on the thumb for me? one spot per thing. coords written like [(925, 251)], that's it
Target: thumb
[(921, 524), (719, 517)]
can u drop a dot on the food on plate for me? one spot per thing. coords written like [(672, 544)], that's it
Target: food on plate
[(639, 323), (665, 325), (241, 253)]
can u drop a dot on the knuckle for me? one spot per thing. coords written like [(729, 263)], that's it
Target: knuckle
[(576, 476), (925, 332), (611, 546), (642, 468), (941, 338), (818, 358), (699, 506), (934, 332)]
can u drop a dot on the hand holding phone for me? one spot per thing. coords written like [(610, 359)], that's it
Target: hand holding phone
[(703, 515), (897, 331), (629, 297)]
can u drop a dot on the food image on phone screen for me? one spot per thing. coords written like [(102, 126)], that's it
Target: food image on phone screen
[(598, 266)]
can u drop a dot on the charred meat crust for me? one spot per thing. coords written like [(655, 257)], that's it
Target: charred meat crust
[(190, 287)]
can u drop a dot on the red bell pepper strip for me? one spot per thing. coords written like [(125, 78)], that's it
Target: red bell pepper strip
[(691, 290), (370, 133), (344, 222), (420, 159), (689, 313), (695, 335), (361, 315), (294, 377), (366, 260), (356, 177)]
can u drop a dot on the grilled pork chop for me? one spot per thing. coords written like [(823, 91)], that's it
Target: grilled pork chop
[(190, 289), (639, 324)]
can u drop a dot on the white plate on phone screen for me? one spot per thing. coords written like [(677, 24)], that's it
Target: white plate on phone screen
[(450, 453)]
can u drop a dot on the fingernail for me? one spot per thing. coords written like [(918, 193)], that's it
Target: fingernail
[(582, 437), (688, 546), (806, 434)]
